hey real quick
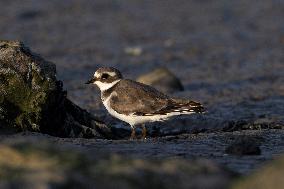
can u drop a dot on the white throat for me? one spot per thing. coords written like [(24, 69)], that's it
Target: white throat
[(105, 86)]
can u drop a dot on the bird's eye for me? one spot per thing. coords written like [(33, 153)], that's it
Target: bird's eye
[(105, 76)]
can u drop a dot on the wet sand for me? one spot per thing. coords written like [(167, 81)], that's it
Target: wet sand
[(228, 55)]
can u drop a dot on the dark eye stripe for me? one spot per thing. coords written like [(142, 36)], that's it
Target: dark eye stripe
[(105, 76)]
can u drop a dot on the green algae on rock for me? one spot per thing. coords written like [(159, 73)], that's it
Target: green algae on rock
[(31, 98)]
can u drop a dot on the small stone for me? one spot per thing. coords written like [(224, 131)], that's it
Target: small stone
[(133, 51), (169, 42), (244, 146), (163, 80)]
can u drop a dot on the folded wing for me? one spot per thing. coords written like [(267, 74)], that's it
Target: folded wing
[(140, 99)]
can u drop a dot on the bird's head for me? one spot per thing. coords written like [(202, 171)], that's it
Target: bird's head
[(105, 78)]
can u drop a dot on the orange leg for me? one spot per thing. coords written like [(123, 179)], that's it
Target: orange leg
[(133, 133), (144, 131)]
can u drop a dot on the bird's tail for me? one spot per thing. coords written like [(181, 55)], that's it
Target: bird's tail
[(182, 107), (185, 107)]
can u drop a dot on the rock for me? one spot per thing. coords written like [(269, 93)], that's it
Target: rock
[(269, 176), (133, 51), (31, 98), (45, 165), (163, 80), (244, 146)]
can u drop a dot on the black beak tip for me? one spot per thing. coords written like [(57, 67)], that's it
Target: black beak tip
[(90, 81)]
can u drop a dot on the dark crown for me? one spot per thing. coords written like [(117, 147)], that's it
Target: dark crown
[(109, 71)]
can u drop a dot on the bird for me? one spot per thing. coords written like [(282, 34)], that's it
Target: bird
[(136, 103)]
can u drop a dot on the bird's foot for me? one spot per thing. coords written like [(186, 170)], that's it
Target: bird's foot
[(133, 134), (144, 133)]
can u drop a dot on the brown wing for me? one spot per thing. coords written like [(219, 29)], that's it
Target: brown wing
[(182, 106), (137, 98)]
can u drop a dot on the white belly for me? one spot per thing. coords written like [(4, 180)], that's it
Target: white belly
[(137, 120)]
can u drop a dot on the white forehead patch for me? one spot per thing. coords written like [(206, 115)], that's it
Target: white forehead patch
[(111, 73), (97, 75)]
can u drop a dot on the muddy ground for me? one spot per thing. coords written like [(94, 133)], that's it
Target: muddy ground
[(228, 55)]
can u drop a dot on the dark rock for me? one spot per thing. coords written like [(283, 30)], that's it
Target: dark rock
[(31, 98), (257, 124), (29, 14), (244, 146), (163, 80)]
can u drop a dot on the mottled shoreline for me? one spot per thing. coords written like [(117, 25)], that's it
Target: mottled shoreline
[(227, 55)]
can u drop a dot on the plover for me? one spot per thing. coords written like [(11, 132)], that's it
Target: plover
[(136, 103)]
